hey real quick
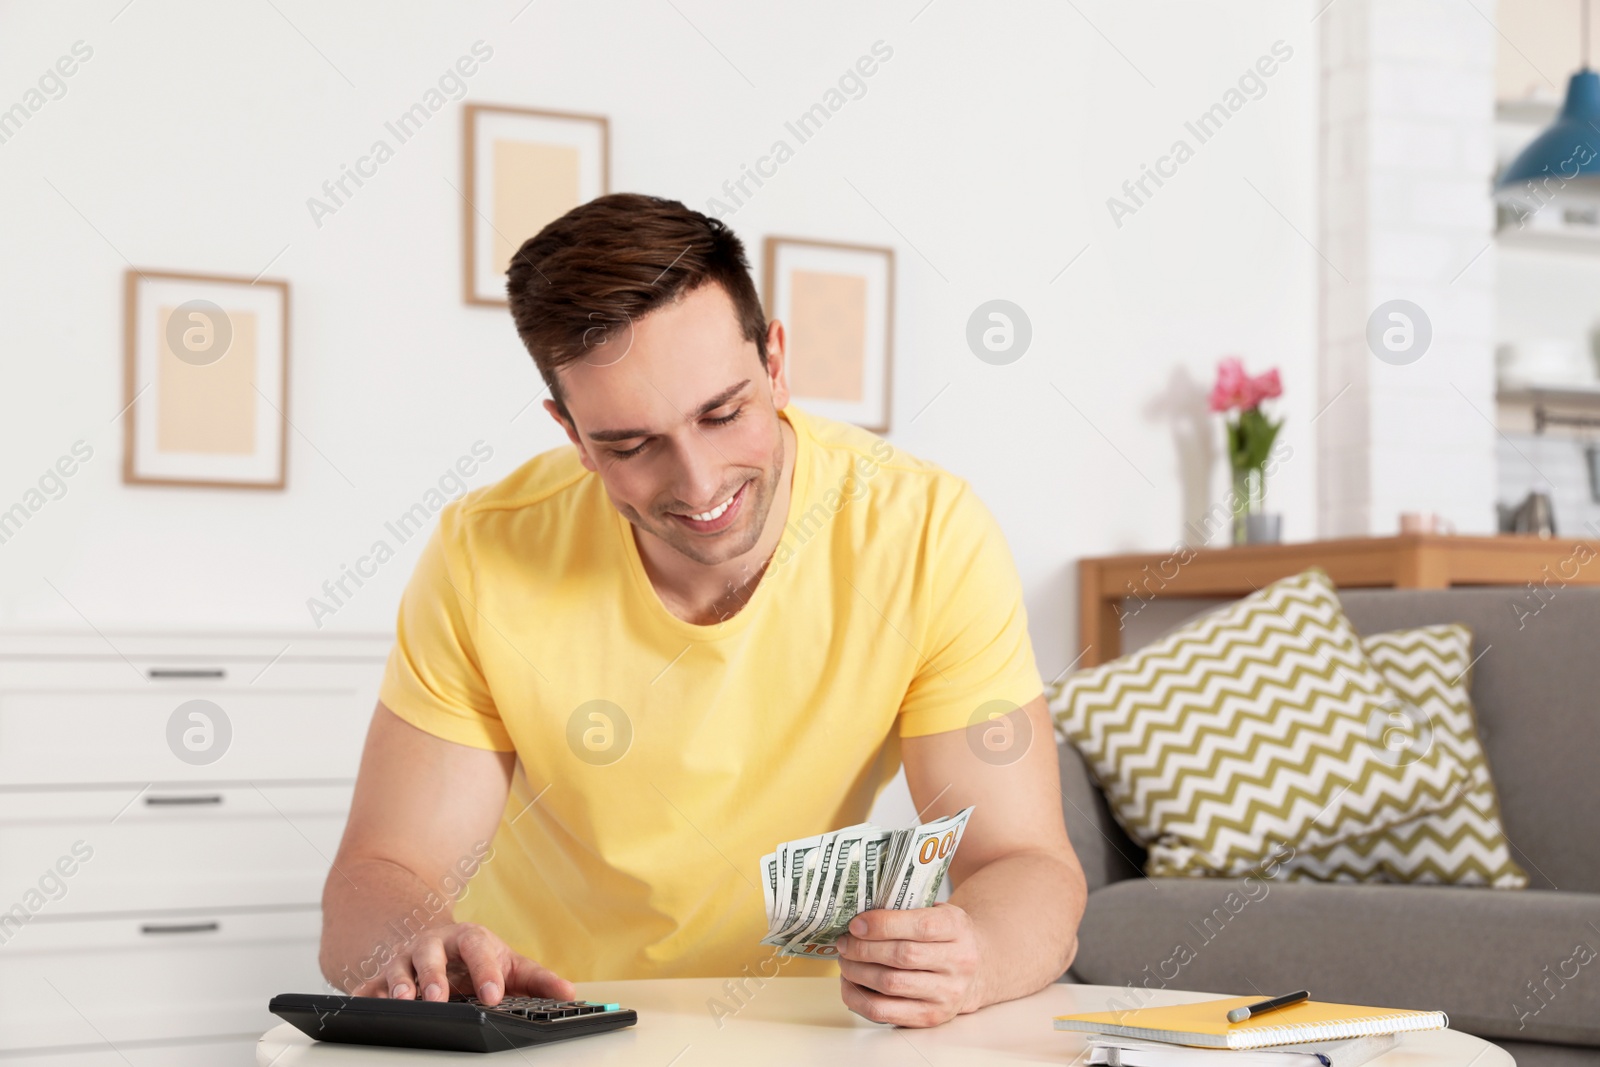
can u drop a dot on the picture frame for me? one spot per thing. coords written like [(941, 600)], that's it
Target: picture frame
[(836, 301), (522, 168), (205, 380)]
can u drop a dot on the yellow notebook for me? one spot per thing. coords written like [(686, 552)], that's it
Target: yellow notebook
[(1206, 1024)]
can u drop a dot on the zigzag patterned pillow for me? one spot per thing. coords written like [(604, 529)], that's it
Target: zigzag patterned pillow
[(1253, 725), (1464, 844)]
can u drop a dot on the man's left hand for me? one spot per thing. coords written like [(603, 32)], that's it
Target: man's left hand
[(917, 967)]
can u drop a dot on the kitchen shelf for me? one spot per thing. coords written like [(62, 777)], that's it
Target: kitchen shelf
[(1556, 405), (1578, 242), (1580, 395)]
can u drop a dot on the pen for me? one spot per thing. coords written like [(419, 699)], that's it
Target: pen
[(1239, 1015)]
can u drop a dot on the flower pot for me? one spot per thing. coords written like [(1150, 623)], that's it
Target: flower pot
[(1262, 528)]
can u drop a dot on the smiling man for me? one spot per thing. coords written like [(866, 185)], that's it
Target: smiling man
[(712, 623)]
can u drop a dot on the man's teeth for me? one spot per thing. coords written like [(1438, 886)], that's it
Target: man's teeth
[(714, 513)]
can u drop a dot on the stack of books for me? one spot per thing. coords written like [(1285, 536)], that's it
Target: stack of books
[(1308, 1033)]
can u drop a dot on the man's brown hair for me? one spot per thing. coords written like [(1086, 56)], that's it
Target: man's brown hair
[(610, 262)]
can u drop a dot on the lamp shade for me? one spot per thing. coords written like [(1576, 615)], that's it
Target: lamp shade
[(1569, 151)]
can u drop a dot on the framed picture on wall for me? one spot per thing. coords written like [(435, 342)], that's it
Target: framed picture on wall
[(523, 168), (205, 380), (836, 302)]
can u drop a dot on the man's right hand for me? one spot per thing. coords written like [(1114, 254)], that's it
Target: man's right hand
[(423, 814), (463, 958)]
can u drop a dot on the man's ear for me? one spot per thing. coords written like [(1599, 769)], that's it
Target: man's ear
[(572, 434), (776, 356)]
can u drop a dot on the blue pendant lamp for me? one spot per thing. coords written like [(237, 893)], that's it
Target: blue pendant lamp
[(1568, 153)]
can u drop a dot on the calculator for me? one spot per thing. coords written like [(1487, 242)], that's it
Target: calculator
[(460, 1024)]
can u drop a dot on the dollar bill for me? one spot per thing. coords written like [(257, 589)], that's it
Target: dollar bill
[(923, 866), (811, 863), (824, 902), (852, 894), (813, 887), (794, 860)]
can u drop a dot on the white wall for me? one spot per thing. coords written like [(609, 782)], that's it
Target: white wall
[(984, 151), (1409, 106)]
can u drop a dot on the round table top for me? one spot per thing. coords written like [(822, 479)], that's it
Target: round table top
[(801, 1020)]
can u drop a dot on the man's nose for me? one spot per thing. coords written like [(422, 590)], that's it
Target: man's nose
[(700, 478)]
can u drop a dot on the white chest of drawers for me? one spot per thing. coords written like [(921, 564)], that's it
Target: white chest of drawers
[(169, 807)]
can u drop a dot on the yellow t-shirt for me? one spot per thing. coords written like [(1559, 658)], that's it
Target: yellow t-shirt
[(658, 760)]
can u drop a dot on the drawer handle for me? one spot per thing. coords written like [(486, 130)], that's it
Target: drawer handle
[(181, 672), (175, 801), (180, 928)]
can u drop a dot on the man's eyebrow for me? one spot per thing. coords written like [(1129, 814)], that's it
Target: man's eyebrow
[(710, 405)]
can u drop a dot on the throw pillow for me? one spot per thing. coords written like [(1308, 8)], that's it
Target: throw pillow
[(1463, 844), (1255, 725)]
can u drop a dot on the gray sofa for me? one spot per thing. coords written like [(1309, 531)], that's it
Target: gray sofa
[(1507, 965)]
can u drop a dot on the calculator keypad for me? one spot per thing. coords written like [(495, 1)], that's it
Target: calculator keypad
[(540, 1009)]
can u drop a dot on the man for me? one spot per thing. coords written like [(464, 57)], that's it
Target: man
[(713, 623)]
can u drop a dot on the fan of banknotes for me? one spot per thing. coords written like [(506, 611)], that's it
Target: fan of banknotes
[(816, 885)]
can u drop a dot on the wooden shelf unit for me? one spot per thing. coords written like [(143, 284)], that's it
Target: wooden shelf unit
[(1406, 561)]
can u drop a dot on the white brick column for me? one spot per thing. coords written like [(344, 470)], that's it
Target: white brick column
[(1406, 116)]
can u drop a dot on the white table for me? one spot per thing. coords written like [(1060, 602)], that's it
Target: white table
[(801, 1021)]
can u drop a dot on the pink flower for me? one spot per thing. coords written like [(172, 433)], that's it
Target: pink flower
[(1263, 387), (1236, 389), (1229, 392)]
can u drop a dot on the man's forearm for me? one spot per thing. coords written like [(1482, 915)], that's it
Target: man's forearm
[(370, 908), (1026, 907)]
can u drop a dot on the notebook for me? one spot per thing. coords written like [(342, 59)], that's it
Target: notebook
[(1206, 1024), (1126, 1052)]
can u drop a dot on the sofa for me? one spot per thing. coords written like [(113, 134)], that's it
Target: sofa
[(1520, 968)]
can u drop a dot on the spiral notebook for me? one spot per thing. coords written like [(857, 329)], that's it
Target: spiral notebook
[(1107, 1051), (1206, 1024)]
